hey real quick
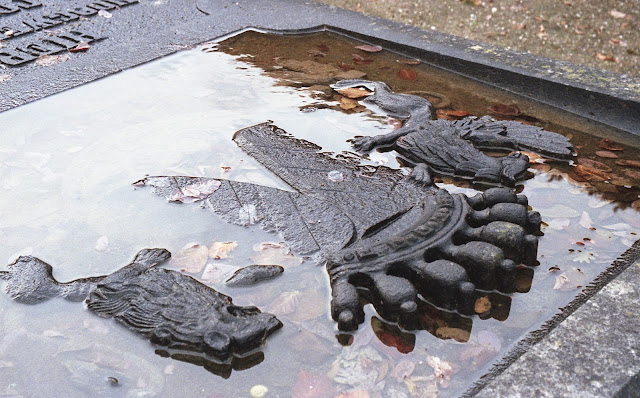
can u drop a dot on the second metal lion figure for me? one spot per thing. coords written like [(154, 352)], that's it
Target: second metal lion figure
[(445, 147)]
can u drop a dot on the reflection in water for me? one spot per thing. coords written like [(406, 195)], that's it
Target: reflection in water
[(66, 197), (217, 368)]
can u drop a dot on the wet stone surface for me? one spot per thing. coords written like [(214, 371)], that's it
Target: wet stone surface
[(174, 117)]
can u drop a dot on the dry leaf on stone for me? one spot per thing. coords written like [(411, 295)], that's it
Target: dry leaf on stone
[(192, 258), (606, 154), (603, 57), (4, 78), (407, 74), (369, 48), (275, 253), (617, 14), (49, 60), (354, 92), (104, 14), (80, 47), (220, 250), (195, 192), (610, 145)]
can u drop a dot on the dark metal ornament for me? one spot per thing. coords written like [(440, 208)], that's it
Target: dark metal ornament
[(445, 147), (172, 310), (382, 236)]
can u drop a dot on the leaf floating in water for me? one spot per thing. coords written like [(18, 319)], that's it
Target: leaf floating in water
[(610, 145), (344, 66), (403, 370), (312, 385), (407, 74), (635, 174), (408, 61), (447, 332), (354, 92), (594, 164), (629, 163), (285, 304), (220, 250), (192, 258), (102, 243), (195, 192), (348, 103), (442, 370), (506, 110), (360, 60), (606, 154), (369, 48), (275, 253), (590, 174), (216, 272), (586, 221), (253, 274), (317, 53)]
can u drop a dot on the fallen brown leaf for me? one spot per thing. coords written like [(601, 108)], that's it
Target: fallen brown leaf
[(606, 154), (594, 164), (407, 74), (408, 61), (316, 53), (590, 174), (610, 145), (630, 163), (344, 66), (369, 48), (220, 250), (348, 103), (192, 258), (354, 92), (603, 57), (80, 47), (49, 60), (617, 14), (360, 60), (506, 110)]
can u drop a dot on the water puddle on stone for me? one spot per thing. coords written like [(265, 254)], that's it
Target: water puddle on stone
[(68, 162)]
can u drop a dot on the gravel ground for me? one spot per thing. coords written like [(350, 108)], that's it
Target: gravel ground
[(603, 34)]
